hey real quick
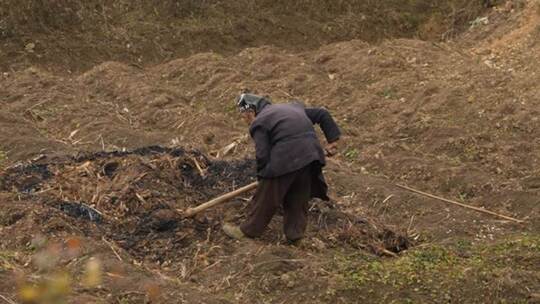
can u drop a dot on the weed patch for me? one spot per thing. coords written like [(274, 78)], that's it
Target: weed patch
[(435, 271)]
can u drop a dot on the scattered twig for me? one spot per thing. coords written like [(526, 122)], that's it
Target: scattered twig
[(96, 195), (112, 248), (161, 275), (114, 275), (136, 292), (227, 149), (386, 199), (410, 224), (140, 198), (201, 172), (460, 204), (36, 105), (7, 299), (35, 159), (211, 266), (93, 209), (139, 177), (102, 142), (286, 93), (384, 251), (178, 125), (230, 147), (73, 133), (44, 190)]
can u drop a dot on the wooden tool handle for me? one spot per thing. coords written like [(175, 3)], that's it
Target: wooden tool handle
[(461, 204), (218, 200)]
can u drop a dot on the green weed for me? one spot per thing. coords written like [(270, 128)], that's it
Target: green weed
[(3, 158), (438, 272), (351, 154), (388, 93)]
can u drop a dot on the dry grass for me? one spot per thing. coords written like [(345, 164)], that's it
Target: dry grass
[(80, 34)]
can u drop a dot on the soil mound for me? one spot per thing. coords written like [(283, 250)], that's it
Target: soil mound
[(136, 198)]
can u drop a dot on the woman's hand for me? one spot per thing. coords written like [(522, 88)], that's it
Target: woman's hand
[(331, 149)]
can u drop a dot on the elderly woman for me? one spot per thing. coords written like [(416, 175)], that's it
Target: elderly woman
[(289, 163)]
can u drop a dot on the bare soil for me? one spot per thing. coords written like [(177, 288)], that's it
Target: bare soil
[(73, 36), (98, 164)]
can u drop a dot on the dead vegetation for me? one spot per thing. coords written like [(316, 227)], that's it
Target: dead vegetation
[(141, 194), (76, 35), (132, 203)]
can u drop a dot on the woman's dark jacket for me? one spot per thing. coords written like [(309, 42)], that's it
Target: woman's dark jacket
[(285, 139)]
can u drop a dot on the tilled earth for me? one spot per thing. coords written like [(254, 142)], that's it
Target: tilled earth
[(457, 119)]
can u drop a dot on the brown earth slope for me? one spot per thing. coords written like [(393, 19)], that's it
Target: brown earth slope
[(457, 119), (74, 35)]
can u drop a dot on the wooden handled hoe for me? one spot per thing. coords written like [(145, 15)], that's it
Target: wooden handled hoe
[(189, 212), (228, 196)]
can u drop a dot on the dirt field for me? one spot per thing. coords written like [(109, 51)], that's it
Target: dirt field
[(100, 153)]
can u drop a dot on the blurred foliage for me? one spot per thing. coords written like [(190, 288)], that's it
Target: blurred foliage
[(51, 282)]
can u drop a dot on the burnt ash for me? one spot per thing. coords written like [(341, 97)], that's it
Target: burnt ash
[(142, 151), (24, 178), (134, 198), (79, 210), (221, 176)]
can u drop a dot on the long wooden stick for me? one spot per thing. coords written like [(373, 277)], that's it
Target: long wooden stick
[(460, 204), (219, 200)]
